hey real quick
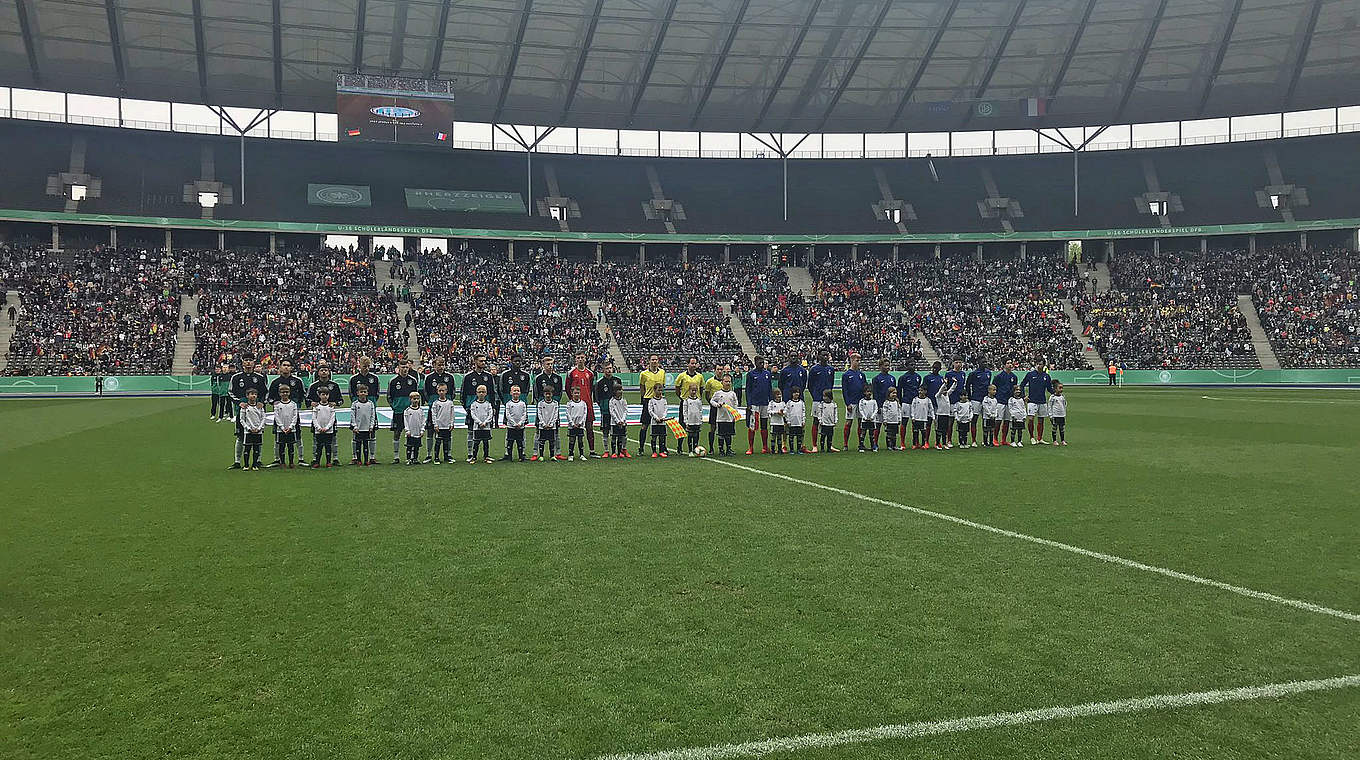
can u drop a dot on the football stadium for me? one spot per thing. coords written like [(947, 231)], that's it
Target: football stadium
[(679, 379)]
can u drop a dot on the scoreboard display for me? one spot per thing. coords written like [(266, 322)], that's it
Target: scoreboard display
[(393, 110)]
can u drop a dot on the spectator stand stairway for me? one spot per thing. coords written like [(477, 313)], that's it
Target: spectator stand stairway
[(928, 353), (186, 341), (1265, 353), (1092, 356), (800, 280), (382, 277), (1101, 277), (6, 328), (738, 330), (607, 335)]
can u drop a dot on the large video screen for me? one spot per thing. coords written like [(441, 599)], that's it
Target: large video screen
[(393, 119)]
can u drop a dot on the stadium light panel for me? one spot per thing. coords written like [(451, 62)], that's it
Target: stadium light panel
[(207, 200), (77, 192), (1157, 208), (895, 215)]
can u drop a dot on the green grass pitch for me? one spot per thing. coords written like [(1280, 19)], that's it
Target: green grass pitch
[(154, 604)]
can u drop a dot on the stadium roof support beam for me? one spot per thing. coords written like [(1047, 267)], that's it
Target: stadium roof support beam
[(722, 58), (1222, 51), (116, 43), (996, 59), (509, 77), (437, 55), (581, 59), (528, 147), (395, 55), (26, 29), (855, 62), (647, 68), (1071, 49), (1141, 59), (200, 50), (788, 61), (260, 117), (360, 18), (1304, 41), (925, 62), (776, 144), (277, 13)]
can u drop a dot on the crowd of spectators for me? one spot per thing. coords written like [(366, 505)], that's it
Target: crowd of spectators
[(291, 269), (95, 311), (1172, 310), (331, 325), (1309, 306)]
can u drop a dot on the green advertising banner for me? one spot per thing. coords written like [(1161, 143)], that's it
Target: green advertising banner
[(355, 196), (241, 225), (199, 385), (483, 201)]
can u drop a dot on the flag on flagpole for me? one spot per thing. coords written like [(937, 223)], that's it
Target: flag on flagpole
[(676, 428)]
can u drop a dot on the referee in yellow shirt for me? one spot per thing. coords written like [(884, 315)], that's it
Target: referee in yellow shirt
[(710, 387), (653, 383)]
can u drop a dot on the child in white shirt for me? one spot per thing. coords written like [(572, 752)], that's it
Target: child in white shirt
[(724, 401), (963, 417), (1016, 407), (618, 417), (516, 417), (776, 409), (826, 422), (576, 425), (868, 416), (414, 422), (441, 414), (323, 431), (549, 420), (286, 428), (921, 411), (1057, 411), (692, 417), (794, 415), (252, 422), (657, 410), (892, 419), (944, 418), (483, 416), (363, 420), (991, 417)]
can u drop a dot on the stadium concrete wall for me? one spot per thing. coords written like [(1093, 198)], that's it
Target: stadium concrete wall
[(199, 385)]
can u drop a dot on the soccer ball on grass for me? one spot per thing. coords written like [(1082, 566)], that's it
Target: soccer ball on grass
[(700, 451)]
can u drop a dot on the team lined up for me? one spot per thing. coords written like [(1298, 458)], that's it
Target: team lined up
[(983, 408)]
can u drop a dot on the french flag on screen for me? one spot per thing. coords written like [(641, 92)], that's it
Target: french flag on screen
[(441, 135)]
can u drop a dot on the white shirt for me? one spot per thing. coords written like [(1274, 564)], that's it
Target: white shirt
[(942, 406), (776, 411), (516, 413), (414, 418), (618, 411), (363, 416), (576, 414), (921, 409), (991, 408), (795, 413), (286, 415), (252, 418), (963, 411), (657, 408), (868, 410), (549, 414), (692, 412), (826, 414), (1016, 405), (1057, 406), (892, 412), (721, 400), (442, 412), (482, 413), (323, 419)]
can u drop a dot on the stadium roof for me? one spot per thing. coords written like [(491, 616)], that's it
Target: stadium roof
[(715, 65)]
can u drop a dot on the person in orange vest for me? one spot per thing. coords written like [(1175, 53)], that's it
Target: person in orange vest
[(1113, 370)]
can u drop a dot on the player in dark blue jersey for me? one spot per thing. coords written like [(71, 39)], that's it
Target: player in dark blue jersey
[(932, 382), (977, 383), (759, 389), (852, 390), (957, 379), (1037, 384), (821, 378), (908, 383), (1005, 382)]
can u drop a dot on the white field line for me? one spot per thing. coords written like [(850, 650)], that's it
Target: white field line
[(995, 720), (1262, 595), (1347, 402)]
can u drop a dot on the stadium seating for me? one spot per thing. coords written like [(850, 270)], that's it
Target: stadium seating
[(1309, 306)]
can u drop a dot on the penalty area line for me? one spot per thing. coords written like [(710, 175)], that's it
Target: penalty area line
[(994, 720), (1129, 563)]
